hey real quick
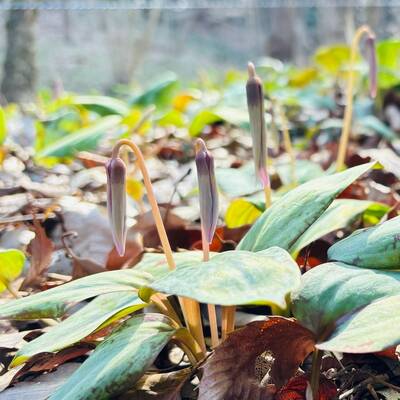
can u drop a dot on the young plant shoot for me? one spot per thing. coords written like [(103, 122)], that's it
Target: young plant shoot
[(255, 103), (208, 197), (348, 112)]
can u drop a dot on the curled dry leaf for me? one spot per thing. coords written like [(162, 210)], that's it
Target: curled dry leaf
[(256, 360), (41, 250)]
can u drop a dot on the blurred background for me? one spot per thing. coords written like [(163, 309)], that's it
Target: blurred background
[(95, 45)]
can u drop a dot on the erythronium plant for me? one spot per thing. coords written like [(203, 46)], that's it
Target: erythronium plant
[(332, 304), (348, 113)]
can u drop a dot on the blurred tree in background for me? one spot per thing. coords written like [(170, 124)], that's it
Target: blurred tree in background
[(19, 73)]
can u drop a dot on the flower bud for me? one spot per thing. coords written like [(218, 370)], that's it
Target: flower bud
[(208, 194), (255, 103), (373, 70), (116, 201)]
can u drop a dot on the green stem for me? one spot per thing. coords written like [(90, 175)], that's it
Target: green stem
[(315, 372)]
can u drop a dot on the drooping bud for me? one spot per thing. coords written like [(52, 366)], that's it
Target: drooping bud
[(208, 194), (255, 103), (116, 201), (373, 70)]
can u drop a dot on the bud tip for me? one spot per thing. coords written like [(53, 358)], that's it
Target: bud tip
[(251, 70)]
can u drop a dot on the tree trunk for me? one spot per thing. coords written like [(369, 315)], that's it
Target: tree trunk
[(19, 72)]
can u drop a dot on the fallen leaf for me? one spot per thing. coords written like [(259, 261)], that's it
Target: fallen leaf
[(41, 249), (296, 389), (256, 360), (45, 362), (133, 252), (164, 386)]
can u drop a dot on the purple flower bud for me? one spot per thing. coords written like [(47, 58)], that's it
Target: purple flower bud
[(255, 103), (373, 70), (208, 193), (116, 201)]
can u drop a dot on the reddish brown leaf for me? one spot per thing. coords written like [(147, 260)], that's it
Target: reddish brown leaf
[(133, 253), (239, 366), (41, 249), (297, 386), (44, 362)]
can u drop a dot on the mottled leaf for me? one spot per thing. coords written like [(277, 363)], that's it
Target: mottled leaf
[(100, 312), (340, 214), (233, 278), (119, 361), (331, 290), (376, 247), (374, 328), (290, 216), (53, 303)]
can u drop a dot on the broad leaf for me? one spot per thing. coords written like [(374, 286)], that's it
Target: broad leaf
[(236, 368), (374, 328), (102, 105), (53, 303), (375, 124), (331, 290), (305, 171), (11, 264), (83, 139), (100, 312), (375, 247), (235, 182), (119, 361), (233, 278), (339, 214), (291, 215)]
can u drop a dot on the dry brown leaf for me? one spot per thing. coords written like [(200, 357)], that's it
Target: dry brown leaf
[(44, 362), (239, 366), (41, 249), (164, 386)]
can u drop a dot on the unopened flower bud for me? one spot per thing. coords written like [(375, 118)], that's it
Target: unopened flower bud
[(116, 201), (255, 103), (373, 70), (208, 194)]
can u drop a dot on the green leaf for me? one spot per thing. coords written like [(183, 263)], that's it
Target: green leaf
[(331, 290), (373, 123), (53, 303), (374, 328), (376, 247), (160, 93), (233, 278), (102, 105), (3, 126), (340, 214), (305, 171), (232, 115), (237, 182), (292, 214), (201, 120), (119, 361), (83, 139), (11, 264), (100, 312)]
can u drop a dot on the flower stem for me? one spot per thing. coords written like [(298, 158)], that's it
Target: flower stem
[(267, 194), (191, 309), (348, 112), (212, 315), (287, 142)]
